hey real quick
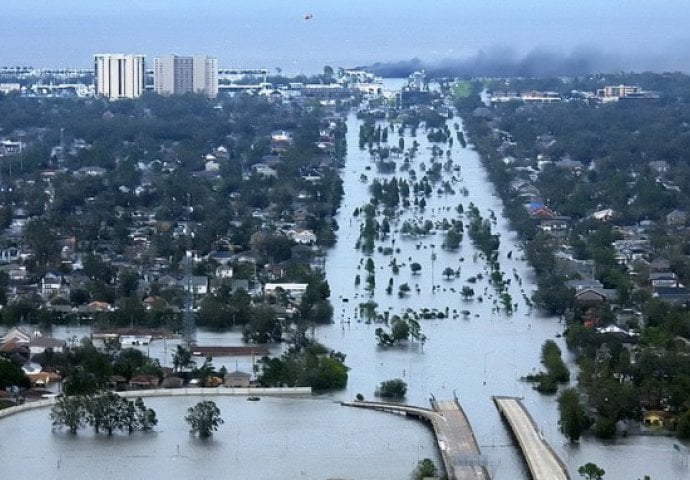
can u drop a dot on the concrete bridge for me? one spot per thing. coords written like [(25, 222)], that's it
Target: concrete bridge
[(542, 461), (458, 446)]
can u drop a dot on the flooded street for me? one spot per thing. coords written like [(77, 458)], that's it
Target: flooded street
[(476, 354)]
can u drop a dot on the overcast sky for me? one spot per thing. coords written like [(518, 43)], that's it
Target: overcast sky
[(274, 33)]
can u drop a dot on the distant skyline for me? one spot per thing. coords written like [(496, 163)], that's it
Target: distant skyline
[(621, 34)]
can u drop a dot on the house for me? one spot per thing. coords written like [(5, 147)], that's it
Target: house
[(573, 166), (264, 170), (237, 379), (593, 296), (583, 284), (274, 271), (658, 166), (604, 215), (40, 344), (615, 330), (91, 171), (303, 237), (542, 212), (677, 218), (554, 224), (673, 295), (131, 340), (197, 284), (663, 279), (50, 284), (41, 379), (97, 306), (167, 281), (17, 335), (281, 136), (295, 290), (655, 418), (9, 255), (144, 381), (155, 303), (221, 256), (16, 273), (659, 265), (172, 382), (224, 271), (212, 166)]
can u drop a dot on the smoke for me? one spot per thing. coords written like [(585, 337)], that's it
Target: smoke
[(505, 62)]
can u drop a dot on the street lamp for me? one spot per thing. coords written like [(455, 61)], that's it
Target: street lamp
[(515, 376), (486, 355)]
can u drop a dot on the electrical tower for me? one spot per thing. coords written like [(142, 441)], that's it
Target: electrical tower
[(189, 320)]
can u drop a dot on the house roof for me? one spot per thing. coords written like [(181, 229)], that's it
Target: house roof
[(17, 334), (47, 342)]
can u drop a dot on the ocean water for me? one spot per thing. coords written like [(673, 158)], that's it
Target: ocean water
[(301, 36)]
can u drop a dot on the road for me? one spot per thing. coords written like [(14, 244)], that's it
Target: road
[(542, 461), (456, 441)]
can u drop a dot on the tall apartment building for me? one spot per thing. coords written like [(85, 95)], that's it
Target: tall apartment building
[(176, 75), (119, 75)]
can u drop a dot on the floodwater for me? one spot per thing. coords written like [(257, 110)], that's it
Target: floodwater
[(473, 356)]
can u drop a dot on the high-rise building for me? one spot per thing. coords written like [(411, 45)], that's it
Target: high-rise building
[(119, 75), (176, 75)]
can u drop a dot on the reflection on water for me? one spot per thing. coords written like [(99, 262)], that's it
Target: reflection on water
[(274, 438)]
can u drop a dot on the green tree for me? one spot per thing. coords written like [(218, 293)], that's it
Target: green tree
[(146, 417), (394, 389), (415, 267), (448, 272), (263, 327), (425, 469), (129, 280), (467, 291), (41, 239), (683, 428), (130, 362), (383, 338), (453, 239), (68, 412), (106, 412), (182, 359), (400, 330), (204, 418), (573, 417), (591, 471), (11, 375)]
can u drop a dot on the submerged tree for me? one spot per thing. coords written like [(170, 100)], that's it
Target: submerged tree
[(106, 412), (591, 471), (425, 469), (573, 417), (395, 389), (68, 412), (204, 418)]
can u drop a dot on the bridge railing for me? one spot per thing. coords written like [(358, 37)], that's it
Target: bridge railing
[(469, 460)]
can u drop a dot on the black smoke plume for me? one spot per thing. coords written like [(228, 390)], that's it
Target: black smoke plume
[(505, 62)]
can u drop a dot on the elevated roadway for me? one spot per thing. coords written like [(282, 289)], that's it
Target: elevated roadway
[(456, 442), (542, 461)]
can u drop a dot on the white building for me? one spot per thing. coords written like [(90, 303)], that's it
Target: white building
[(295, 290), (119, 75), (177, 75), (6, 88)]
